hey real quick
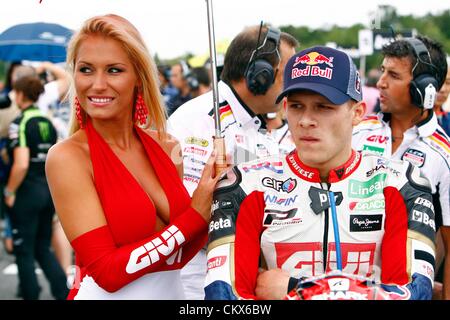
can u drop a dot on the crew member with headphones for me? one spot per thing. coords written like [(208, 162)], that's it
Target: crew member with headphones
[(251, 80), (413, 70)]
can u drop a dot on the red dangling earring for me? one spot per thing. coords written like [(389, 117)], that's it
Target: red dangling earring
[(78, 113), (141, 111)]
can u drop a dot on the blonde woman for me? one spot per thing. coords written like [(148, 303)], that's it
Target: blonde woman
[(116, 189)]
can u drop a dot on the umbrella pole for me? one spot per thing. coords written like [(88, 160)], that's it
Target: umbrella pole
[(219, 140)]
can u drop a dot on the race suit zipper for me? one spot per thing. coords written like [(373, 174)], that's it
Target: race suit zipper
[(325, 186)]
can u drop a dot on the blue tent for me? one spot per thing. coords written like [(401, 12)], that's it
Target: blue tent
[(35, 42)]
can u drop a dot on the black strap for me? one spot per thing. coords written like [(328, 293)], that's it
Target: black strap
[(292, 284)]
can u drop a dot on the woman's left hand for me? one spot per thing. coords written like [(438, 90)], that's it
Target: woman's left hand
[(9, 201)]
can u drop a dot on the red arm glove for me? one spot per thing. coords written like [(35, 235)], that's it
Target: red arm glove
[(113, 267)]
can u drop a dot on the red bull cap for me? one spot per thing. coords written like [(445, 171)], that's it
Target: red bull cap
[(326, 71)]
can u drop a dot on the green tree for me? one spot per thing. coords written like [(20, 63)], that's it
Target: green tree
[(435, 26)]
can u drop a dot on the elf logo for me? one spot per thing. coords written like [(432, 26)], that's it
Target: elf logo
[(278, 185), (150, 252)]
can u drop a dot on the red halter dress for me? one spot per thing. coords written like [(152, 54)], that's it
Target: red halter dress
[(127, 259)]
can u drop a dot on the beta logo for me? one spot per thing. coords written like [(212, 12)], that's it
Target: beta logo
[(284, 186), (424, 218), (220, 224)]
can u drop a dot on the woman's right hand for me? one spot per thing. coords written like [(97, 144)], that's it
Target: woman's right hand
[(202, 196)]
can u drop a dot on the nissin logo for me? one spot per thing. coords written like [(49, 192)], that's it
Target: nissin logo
[(280, 201)]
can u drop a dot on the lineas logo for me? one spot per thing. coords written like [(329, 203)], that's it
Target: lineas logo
[(150, 252)]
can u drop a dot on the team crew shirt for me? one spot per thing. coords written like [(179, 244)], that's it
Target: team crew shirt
[(424, 145), (245, 133)]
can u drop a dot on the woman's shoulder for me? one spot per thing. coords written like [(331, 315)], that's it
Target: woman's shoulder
[(74, 149), (165, 140), (171, 147)]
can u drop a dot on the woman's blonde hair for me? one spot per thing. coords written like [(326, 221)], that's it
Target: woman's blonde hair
[(118, 28)]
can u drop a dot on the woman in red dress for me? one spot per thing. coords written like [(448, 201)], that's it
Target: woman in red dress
[(116, 180)]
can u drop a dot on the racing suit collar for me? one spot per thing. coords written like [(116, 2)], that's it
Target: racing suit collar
[(242, 112), (312, 175), (429, 125), (425, 128)]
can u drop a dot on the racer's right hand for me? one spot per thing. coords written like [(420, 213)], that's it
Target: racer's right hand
[(202, 196), (272, 284)]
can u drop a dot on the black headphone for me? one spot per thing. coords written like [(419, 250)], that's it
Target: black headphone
[(189, 76), (423, 86), (259, 73)]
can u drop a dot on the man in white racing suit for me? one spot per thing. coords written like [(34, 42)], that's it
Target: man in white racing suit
[(407, 128), (324, 206), (252, 78)]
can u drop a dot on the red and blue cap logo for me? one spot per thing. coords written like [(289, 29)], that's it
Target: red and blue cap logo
[(326, 71)]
